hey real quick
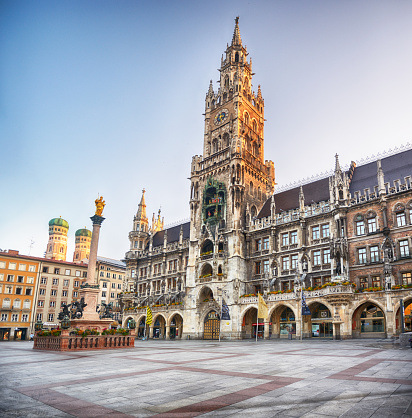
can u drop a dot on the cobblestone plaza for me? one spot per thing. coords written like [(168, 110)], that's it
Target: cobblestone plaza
[(322, 378)]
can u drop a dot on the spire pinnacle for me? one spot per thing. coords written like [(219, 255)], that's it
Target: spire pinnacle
[(236, 34), (141, 211), (337, 165)]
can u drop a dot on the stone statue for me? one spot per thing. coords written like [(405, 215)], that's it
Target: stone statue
[(105, 310), (65, 312), (77, 311), (100, 204)]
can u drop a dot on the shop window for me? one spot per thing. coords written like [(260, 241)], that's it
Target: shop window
[(372, 319)]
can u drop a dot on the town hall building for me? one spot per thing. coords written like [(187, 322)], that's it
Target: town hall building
[(343, 241)]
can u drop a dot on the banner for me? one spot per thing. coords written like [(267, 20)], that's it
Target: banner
[(149, 316), (225, 311), (305, 307), (262, 308)]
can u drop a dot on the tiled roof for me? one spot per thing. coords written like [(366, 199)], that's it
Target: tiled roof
[(172, 234)]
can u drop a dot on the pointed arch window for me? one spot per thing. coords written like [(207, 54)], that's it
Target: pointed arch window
[(246, 118), (237, 57)]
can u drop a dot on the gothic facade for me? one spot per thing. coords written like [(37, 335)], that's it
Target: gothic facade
[(343, 241)]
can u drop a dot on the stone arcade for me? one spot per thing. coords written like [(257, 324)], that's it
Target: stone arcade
[(348, 235)]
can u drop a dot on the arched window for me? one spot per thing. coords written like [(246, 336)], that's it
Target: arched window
[(246, 118), (26, 304), (259, 193), (16, 303), (6, 303), (237, 57), (254, 124), (227, 81), (251, 188)]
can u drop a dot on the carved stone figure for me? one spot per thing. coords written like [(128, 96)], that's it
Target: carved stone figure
[(65, 312)]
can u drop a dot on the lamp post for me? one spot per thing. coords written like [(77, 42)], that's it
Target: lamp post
[(65, 322), (38, 326)]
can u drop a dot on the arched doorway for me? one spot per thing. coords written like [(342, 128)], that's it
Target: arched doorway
[(159, 327), (140, 328), (211, 326), (282, 322), (176, 327), (321, 319), (250, 325), (368, 321)]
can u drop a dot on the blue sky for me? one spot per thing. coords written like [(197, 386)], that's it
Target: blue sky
[(106, 97)]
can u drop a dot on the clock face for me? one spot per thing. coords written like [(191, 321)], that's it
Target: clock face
[(221, 116)]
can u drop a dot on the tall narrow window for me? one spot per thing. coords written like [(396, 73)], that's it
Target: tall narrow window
[(404, 248), (374, 254)]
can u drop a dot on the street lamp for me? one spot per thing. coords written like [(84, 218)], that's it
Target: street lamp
[(132, 324), (65, 322), (38, 326)]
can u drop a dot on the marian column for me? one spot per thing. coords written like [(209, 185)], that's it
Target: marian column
[(89, 291)]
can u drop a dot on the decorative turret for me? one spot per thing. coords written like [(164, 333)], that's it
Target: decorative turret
[(82, 246), (140, 234), (339, 185), (57, 245), (237, 40)]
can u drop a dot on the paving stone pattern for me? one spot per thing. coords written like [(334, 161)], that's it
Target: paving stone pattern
[(321, 378)]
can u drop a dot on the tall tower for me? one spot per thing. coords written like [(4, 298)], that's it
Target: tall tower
[(230, 182), (57, 245), (139, 236), (82, 246)]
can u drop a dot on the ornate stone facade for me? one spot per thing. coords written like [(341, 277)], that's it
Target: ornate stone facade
[(242, 239)]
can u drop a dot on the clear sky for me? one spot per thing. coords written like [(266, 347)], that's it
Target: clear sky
[(106, 97)]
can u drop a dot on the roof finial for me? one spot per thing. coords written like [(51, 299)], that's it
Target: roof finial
[(337, 165)]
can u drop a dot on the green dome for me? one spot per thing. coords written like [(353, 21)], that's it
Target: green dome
[(59, 222), (83, 233)]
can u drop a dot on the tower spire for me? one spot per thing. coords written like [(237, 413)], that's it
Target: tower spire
[(141, 211), (237, 40)]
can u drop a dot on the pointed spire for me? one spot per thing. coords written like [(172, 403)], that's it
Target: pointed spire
[(141, 211), (337, 165), (210, 91), (236, 34), (259, 95)]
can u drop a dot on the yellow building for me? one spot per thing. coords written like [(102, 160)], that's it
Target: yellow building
[(18, 280)]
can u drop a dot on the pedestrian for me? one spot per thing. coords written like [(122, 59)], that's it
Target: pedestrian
[(31, 337)]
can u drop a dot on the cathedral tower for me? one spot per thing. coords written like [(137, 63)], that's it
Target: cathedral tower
[(82, 248), (140, 234), (57, 245)]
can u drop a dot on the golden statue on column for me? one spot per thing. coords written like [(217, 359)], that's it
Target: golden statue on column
[(100, 204)]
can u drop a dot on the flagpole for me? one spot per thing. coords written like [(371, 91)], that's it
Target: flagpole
[(220, 319), (257, 320), (301, 316)]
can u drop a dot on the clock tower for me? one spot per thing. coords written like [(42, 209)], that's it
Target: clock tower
[(231, 181)]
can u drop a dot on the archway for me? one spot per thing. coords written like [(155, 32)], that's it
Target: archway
[(159, 327), (211, 326), (176, 327), (207, 247), (140, 328), (250, 324), (282, 322), (205, 295), (368, 321), (321, 321)]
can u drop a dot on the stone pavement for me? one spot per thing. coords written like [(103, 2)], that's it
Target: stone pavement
[(313, 378)]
